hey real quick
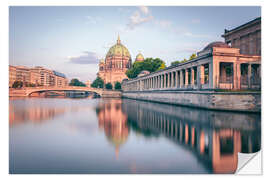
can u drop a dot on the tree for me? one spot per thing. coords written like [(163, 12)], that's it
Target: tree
[(108, 86), (183, 61), (193, 56), (174, 63), (149, 64), (76, 82), (98, 83), (17, 84), (117, 85), (162, 66)]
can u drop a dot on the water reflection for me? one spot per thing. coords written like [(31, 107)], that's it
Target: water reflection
[(114, 122), (215, 138), (203, 141)]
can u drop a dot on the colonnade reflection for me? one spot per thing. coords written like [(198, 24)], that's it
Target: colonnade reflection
[(215, 138)]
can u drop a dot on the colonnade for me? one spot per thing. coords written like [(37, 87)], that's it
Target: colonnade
[(180, 77)]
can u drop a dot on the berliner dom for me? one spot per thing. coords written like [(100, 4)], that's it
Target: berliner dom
[(117, 62)]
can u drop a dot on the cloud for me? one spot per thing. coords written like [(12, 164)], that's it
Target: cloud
[(139, 17), (85, 58), (144, 9)]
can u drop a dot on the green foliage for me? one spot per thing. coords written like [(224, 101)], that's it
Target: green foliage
[(183, 61), (108, 86), (17, 84), (174, 63), (76, 82), (193, 56), (117, 85), (149, 64), (162, 66), (98, 83)]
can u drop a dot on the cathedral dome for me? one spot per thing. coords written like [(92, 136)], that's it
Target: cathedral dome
[(139, 57), (118, 50)]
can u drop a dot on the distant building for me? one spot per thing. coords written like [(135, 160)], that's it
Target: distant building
[(47, 76), (34, 78), (143, 73), (12, 75), (246, 37), (88, 83), (60, 79), (217, 66), (23, 74), (37, 76), (117, 62)]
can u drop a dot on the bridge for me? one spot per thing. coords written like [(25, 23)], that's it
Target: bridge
[(27, 91)]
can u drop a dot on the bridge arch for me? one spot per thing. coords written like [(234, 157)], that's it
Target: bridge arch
[(29, 91)]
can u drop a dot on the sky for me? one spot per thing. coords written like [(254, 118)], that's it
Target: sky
[(72, 40)]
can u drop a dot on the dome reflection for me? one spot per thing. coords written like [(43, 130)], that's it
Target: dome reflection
[(114, 122)]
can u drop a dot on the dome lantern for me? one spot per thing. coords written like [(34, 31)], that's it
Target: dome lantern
[(118, 40)]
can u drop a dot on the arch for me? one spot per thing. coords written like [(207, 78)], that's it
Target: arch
[(29, 91)]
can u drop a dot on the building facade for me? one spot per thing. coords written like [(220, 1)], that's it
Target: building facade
[(60, 79), (246, 37), (217, 66), (37, 76), (47, 77), (117, 62), (12, 75)]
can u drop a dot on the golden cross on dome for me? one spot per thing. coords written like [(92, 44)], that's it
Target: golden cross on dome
[(118, 40)]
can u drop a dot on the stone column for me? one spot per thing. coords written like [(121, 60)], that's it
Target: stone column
[(172, 79), (161, 85), (158, 81), (169, 81), (238, 68), (165, 80), (210, 75), (192, 76), (176, 79), (202, 74), (153, 82), (181, 78), (186, 77), (249, 75)]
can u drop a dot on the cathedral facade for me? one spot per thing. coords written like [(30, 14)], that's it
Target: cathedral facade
[(117, 62)]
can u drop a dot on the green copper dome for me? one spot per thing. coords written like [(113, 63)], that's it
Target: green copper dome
[(118, 50), (139, 57)]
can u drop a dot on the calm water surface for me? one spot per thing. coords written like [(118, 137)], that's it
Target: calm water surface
[(50, 135)]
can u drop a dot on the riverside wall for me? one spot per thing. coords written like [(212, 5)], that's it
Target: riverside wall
[(231, 101)]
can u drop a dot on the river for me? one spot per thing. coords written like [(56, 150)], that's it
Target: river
[(65, 135)]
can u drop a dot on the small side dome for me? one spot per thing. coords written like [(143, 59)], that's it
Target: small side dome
[(143, 73), (101, 61), (216, 44), (139, 57)]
